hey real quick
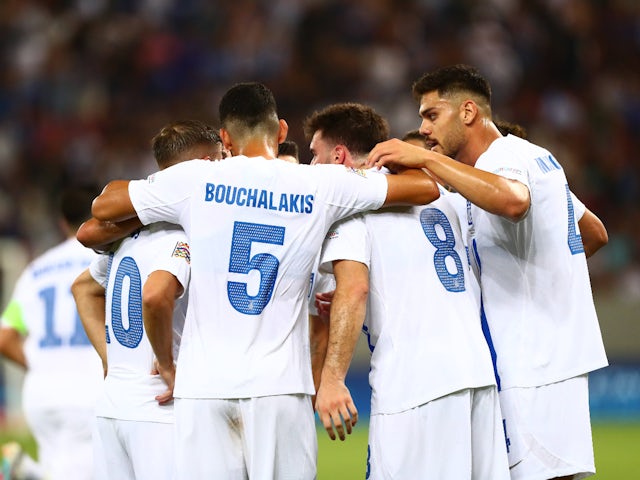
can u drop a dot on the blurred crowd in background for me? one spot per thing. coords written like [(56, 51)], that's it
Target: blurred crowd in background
[(85, 84)]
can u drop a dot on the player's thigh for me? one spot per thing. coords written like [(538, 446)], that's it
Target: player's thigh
[(208, 436), (280, 437), (434, 438), (109, 452), (549, 429), (151, 449), (64, 438), (488, 443)]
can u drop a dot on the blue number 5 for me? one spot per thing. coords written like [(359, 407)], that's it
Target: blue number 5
[(574, 239), (240, 261)]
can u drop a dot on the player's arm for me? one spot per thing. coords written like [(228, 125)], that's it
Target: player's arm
[(90, 302), (593, 232), (114, 203), (101, 236), (158, 300), (334, 403), (319, 339), (411, 187), (11, 346), (493, 193)]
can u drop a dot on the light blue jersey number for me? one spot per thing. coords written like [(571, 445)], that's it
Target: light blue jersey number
[(445, 247), (241, 261), (574, 239), (129, 337), (51, 339)]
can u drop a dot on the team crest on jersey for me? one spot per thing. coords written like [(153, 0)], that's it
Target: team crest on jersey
[(181, 250), (357, 171)]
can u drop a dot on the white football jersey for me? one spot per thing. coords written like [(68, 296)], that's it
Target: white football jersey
[(254, 227), (130, 388), (64, 369), (534, 279), (422, 322)]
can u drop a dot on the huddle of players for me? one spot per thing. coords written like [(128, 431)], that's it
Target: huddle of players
[(476, 303)]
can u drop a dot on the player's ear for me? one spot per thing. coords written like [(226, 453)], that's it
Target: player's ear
[(468, 111), (226, 139), (340, 154), (283, 131)]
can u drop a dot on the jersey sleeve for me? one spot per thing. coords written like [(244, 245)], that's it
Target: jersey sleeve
[(352, 190), (346, 240), (99, 268), (162, 196), (173, 256)]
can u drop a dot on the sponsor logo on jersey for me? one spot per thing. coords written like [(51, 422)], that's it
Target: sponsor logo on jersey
[(181, 250), (332, 234)]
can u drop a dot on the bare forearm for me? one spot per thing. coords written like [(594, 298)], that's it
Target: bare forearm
[(114, 204), (159, 328), (493, 193), (319, 338), (593, 232), (347, 316), (11, 346), (90, 303), (102, 235)]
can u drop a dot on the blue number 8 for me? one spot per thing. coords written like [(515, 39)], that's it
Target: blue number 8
[(128, 337), (240, 261), (429, 218)]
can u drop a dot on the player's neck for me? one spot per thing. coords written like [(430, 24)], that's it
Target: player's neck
[(259, 147)]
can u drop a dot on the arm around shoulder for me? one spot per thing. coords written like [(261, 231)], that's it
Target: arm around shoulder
[(114, 203), (411, 187)]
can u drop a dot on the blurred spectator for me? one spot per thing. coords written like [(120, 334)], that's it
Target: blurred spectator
[(83, 82)]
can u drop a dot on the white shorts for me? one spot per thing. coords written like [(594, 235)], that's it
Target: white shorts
[(130, 450), (258, 438), (63, 436), (549, 430), (455, 437)]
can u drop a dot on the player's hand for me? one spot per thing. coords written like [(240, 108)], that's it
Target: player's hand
[(335, 408), (395, 154), (168, 374), (323, 303)]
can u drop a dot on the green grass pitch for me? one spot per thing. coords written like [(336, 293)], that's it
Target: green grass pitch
[(616, 445)]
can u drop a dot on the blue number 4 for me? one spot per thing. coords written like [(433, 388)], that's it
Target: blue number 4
[(574, 239), (241, 261)]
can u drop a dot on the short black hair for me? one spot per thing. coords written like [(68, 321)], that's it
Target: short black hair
[(356, 126), (289, 147), (75, 203), (251, 103), (453, 79)]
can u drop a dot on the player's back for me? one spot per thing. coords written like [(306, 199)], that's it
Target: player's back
[(130, 388), (63, 368), (255, 227), (423, 320), (534, 277)]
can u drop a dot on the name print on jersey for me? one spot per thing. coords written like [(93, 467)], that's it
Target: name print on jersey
[(258, 198)]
